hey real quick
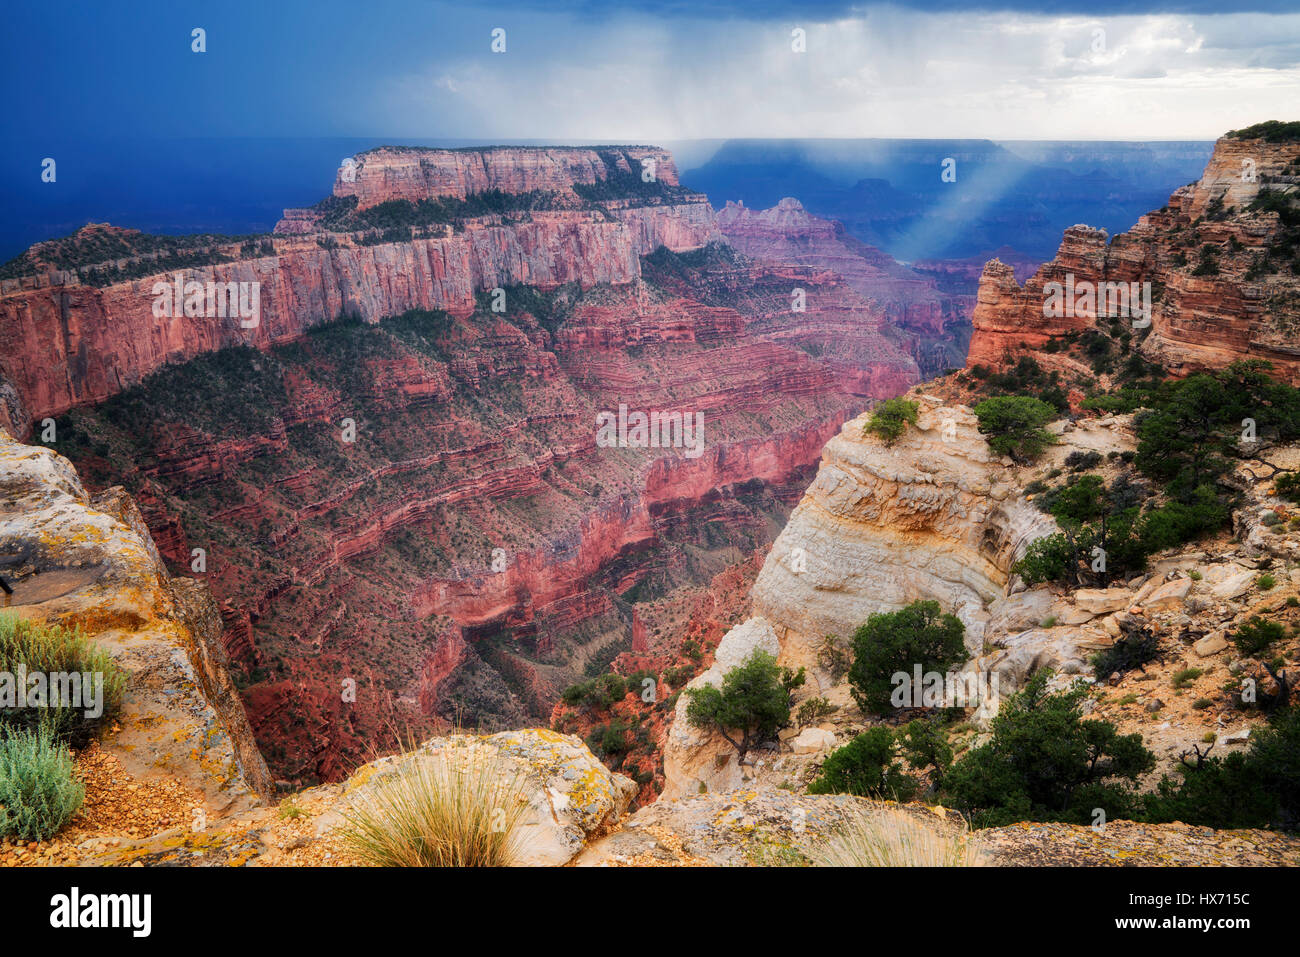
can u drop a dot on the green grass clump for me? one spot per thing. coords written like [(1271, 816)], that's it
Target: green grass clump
[(55, 650), (38, 791)]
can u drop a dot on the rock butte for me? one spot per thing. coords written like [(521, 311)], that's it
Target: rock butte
[(1198, 322)]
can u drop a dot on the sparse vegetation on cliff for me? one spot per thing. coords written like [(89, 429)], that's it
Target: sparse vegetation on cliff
[(1190, 433), (891, 417), (1270, 131), (104, 254), (50, 651), (1014, 425), (866, 766), (1258, 788), (39, 792), (398, 217), (1046, 762)]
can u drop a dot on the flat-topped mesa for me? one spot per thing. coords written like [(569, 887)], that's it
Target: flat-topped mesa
[(1218, 264), (80, 318), (415, 173)]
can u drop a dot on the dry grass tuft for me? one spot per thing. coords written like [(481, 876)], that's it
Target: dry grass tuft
[(891, 838), (440, 810)]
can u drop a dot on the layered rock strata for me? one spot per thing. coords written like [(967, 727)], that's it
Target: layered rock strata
[(1220, 282)]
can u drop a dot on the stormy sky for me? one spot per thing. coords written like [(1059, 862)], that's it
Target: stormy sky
[(649, 72)]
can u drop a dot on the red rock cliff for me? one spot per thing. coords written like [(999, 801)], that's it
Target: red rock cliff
[(64, 342), (1222, 284), (413, 173)]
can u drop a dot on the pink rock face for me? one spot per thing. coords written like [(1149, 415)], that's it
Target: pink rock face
[(65, 345), (1235, 310), (413, 174)]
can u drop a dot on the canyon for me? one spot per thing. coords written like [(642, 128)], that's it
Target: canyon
[(391, 483), (407, 519)]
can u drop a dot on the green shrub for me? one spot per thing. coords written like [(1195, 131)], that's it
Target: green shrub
[(925, 745), (1185, 676), (1078, 461), (890, 418), (813, 710), (1265, 581), (1256, 635), (1014, 425), (39, 792), (598, 693), (754, 700), (1288, 486), (610, 739), (866, 766), (1046, 763), (1220, 793), (53, 650), (1257, 788), (1052, 558), (1129, 651), (676, 677), (892, 642)]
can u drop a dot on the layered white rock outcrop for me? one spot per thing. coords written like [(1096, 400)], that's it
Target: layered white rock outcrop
[(934, 516)]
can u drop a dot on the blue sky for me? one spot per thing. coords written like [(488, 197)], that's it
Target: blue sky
[(649, 71)]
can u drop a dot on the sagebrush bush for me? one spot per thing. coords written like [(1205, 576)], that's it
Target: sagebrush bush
[(459, 808), (39, 792), (52, 649)]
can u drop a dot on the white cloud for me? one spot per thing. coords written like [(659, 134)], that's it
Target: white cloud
[(889, 73)]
